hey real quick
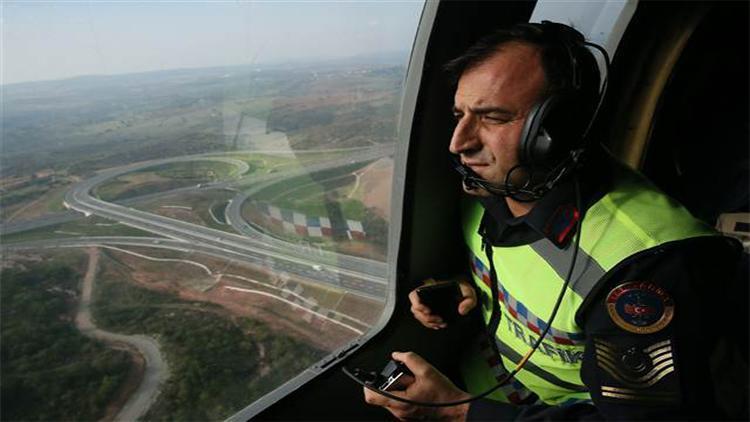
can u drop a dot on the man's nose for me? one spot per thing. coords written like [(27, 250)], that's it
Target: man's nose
[(464, 137)]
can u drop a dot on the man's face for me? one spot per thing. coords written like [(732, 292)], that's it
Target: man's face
[(491, 104)]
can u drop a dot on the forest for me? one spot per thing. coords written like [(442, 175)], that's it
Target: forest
[(50, 371), (218, 362)]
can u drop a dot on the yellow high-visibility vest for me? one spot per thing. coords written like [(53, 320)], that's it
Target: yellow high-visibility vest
[(632, 218)]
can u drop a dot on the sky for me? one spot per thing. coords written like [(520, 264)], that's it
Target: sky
[(62, 39)]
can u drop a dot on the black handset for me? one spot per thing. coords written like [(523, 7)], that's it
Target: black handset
[(442, 298), (390, 375)]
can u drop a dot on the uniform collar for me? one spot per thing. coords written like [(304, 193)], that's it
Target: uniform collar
[(553, 217)]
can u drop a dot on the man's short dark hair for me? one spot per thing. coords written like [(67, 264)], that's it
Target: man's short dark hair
[(560, 46)]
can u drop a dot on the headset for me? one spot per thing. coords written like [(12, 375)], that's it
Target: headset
[(553, 141), (555, 133)]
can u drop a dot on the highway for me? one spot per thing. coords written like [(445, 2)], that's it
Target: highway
[(350, 281), (68, 216), (233, 215), (355, 274), (72, 215)]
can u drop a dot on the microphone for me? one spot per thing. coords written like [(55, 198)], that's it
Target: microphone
[(526, 193), (472, 181), (469, 178)]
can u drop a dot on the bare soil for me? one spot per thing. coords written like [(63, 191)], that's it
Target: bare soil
[(280, 316), (184, 281), (181, 214), (375, 186), (362, 308)]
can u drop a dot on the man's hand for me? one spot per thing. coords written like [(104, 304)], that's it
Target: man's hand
[(424, 314), (427, 385)]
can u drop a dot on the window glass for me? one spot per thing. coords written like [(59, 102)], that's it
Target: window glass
[(194, 198)]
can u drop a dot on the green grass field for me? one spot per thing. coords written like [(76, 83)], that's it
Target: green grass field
[(209, 171), (165, 178), (315, 194), (91, 226)]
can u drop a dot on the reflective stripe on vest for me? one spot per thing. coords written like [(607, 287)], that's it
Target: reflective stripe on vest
[(483, 356), (632, 218)]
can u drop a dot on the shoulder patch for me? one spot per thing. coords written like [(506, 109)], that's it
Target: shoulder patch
[(640, 307)]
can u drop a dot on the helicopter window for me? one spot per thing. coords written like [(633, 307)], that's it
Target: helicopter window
[(194, 199)]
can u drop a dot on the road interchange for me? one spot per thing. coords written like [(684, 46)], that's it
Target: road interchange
[(360, 276), (355, 274)]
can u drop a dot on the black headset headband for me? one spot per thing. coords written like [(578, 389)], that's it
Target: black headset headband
[(557, 124)]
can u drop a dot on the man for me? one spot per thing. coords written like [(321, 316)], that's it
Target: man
[(629, 338)]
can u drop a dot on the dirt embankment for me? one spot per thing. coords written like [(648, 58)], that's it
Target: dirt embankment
[(375, 184), (192, 284)]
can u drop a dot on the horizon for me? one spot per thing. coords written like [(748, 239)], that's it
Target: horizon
[(51, 41), (285, 65)]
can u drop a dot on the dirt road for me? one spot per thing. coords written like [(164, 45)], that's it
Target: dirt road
[(156, 370)]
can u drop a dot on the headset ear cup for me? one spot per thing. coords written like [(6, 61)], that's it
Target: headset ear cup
[(536, 143)]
